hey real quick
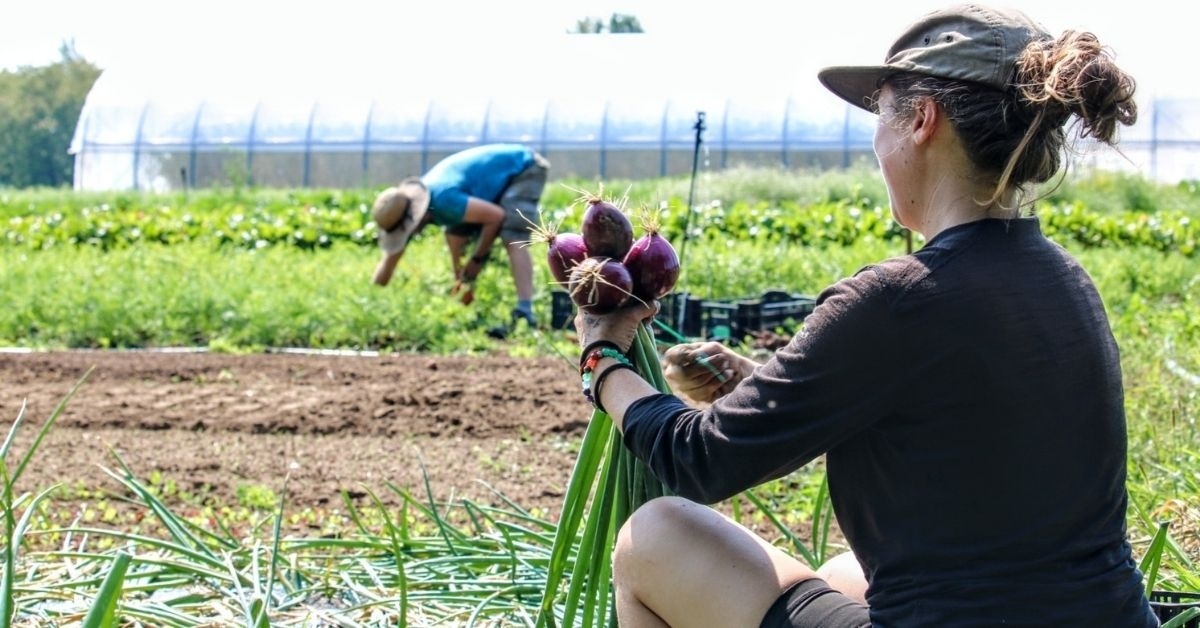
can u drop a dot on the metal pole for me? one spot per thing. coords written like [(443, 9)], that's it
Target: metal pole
[(681, 304), (699, 127)]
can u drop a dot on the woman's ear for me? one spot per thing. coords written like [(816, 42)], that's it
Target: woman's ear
[(926, 117)]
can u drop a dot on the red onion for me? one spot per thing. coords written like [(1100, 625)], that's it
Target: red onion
[(600, 285), (566, 250), (653, 265), (607, 231)]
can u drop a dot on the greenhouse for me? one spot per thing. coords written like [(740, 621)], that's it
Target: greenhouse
[(598, 107)]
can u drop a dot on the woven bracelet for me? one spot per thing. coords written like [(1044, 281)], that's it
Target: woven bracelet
[(600, 381), (590, 360)]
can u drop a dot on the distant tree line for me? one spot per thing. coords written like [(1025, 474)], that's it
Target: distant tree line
[(617, 23), (39, 107)]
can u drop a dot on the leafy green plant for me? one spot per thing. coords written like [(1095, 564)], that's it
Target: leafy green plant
[(808, 208), (257, 496)]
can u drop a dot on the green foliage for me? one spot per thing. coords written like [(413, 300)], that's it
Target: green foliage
[(1168, 231), (1112, 192), (190, 294), (617, 23), (220, 268), (39, 108), (763, 206), (256, 496), (306, 219)]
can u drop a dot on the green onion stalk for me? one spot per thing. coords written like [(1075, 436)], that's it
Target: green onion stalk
[(607, 484)]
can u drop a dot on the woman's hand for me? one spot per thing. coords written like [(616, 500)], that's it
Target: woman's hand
[(619, 327), (703, 371)]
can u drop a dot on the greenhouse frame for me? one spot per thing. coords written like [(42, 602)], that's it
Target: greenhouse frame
[(156, 128)]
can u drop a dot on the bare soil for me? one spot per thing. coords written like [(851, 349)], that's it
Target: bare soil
[(217, 423)]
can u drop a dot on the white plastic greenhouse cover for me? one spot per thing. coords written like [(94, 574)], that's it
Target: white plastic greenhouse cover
[(596, 106)]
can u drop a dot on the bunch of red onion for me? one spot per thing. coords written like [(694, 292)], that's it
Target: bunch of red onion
[(604, 267)]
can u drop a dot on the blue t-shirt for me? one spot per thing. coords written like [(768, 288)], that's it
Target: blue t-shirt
[(482, 172)]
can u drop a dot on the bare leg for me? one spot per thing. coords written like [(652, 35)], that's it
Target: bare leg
[(458, 246), (681, 564), (521, 265), (844, 574)]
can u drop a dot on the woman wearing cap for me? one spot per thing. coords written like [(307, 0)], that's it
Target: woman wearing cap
[(967, 397), (483, 192)]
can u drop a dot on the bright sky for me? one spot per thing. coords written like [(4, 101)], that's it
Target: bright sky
[(1148, 36)]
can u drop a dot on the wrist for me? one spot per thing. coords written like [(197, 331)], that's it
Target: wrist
[(603, 370), (591, 349), (596, 364)]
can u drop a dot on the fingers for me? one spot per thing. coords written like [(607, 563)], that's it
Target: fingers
[(681, 354), (699, 372), (619, 326), (463, 291), (703, 371), (653, 309), (717, 373), (689, 353)]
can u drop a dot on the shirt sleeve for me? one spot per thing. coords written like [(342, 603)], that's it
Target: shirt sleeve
[(447, 204), (836, 377)]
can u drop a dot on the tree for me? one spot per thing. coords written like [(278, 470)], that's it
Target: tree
[(39, 107), (588, 26), (617, 23), (620, 23)]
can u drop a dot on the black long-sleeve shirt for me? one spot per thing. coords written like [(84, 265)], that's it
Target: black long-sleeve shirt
[(968, 399)]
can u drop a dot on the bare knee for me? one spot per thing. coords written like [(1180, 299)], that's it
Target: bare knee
[(654, 518), (844, 573), (691, 565)]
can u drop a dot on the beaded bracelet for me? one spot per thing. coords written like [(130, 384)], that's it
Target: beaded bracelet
[(596, 345), (590, 360)]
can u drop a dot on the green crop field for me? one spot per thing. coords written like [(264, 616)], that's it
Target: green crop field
[(245, 269)]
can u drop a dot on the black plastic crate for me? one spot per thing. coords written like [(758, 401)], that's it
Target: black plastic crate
[(562, 310), (691, 317), (1171, 604)]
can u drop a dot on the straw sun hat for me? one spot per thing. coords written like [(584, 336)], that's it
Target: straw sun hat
[(398, 212)]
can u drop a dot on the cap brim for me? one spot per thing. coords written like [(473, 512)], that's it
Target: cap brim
[(393, 242), (855, 84)]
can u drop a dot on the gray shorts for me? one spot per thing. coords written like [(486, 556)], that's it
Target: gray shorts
[(520, 200)]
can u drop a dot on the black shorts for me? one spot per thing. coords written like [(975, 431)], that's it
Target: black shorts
[(812, 604)]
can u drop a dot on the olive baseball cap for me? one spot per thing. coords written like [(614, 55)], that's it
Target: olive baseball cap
[(398, 211), (966, 42)]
